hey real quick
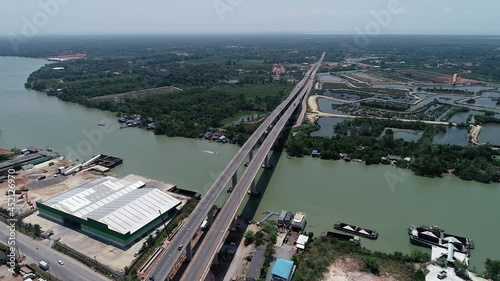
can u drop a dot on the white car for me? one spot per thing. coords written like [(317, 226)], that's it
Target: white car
[(60, 262)]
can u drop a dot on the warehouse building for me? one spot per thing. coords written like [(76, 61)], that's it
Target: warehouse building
[(113, 210)]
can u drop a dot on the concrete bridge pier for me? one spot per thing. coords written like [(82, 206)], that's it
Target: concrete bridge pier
[(266, 161), (189, 252), (250, 156), (282, 135), (235, 179), (210, 217), (253, 188), (233, 223)]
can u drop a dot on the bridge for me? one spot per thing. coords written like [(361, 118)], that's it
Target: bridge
[(200, 263)]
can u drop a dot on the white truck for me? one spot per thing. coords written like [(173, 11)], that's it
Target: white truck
[(43, 265)]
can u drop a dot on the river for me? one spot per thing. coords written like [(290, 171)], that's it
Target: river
[(380, 197), (28, 118)]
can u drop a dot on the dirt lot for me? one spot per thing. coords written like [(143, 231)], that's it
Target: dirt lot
[(240, 265), (350, 270), (5, 275), (46, 188)]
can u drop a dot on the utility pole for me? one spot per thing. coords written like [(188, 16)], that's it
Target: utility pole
[(164, 225)]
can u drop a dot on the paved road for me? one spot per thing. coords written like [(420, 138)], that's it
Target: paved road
[(199, 266), (171, 255), (72, 270)]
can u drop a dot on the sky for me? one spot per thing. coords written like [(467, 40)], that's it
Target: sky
[(34, 17)]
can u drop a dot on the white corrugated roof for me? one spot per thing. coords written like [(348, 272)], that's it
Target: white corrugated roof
[(302, 240), (123, 206), (140, 211)]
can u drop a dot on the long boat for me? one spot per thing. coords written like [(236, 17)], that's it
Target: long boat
[(345, 227), (434, 236), (341, 237)]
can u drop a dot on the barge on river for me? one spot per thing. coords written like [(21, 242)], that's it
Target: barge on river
[(349, 228), (341, 237), (434, 236)]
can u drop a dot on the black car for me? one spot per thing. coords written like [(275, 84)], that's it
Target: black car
[(442, 275)]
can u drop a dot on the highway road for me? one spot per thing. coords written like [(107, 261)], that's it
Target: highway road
[(72, 270), (199, 266), (171, 255)]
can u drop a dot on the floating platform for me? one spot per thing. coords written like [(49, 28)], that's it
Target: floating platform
[(108, 161), (349, 228)]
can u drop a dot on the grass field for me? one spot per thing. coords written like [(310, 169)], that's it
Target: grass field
[(251, 62), (255, 89), (328, 86), (140, 93)]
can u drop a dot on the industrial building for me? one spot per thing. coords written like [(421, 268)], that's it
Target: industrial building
[(113, 210), (31, 155)]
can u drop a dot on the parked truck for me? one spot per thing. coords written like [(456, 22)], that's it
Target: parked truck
[(43, 265)]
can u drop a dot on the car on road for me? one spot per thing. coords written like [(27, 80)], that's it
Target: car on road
[(151, 278), (60, 262), (180, 247), (442, 275)]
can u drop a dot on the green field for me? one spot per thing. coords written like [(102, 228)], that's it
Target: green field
[(329, 86), (255, 90), (251, 62)]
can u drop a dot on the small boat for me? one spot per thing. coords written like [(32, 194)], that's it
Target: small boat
[(101, 124), (345, 227), (246, 164), (341, 237)]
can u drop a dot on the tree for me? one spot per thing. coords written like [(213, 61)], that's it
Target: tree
[(492, 269), (259, 238), (419, 275), (17, 166), (37, 230), (371, 265), (249, 237), (461, 270)]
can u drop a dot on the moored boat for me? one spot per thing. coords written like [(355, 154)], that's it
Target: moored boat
[(434, 236), (345, 227), (341, 237)]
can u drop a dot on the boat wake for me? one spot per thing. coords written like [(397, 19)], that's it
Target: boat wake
[(208, 151)]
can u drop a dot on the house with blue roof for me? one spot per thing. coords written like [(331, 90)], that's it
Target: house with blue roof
[(282, 270)]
